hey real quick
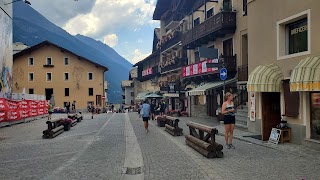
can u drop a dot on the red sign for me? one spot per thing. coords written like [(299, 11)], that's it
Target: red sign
[(147, 72), (17, 110), (199, 68)]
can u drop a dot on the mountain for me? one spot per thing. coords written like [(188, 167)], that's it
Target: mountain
[(31, 28)]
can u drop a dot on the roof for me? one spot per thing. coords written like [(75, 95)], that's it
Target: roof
[(147, 58), (40, 45), (161, 7)]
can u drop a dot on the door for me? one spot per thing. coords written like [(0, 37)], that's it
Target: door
[(315, 115), (228, 47), (271, 113), (48, 92), (98, 100)]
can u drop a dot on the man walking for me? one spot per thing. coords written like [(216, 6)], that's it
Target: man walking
[(146, 114)]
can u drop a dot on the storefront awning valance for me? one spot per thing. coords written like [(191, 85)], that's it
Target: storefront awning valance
[(201, 90), (306, 75), (265, 78), (142, 95), (171, 95)]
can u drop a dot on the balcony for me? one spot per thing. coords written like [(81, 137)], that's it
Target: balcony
[(216, 26), (178, 63), (243, 73), (170, 40), (172, 21), (148, 73)]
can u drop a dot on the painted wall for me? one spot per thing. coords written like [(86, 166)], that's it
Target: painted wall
[(5, 50), (77, 69)]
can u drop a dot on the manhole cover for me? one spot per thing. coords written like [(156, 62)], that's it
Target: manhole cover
[(133, 171)]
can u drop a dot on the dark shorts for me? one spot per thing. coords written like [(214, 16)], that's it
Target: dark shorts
[(145, 118), (50, 113), (229, 119)]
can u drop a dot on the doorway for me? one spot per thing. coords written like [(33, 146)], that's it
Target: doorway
[(49, 92), (271, 113), (228, 47)]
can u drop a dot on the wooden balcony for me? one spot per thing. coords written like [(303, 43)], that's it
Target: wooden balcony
[(154, 72), (172, 20), (171, 42), (179, 63), (243, 73), (216, 26)]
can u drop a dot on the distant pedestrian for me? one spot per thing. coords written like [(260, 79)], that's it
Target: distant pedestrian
[(146, 114), (68, 107), (180, 108), (112, 108), (50, 110), (228, 111), (153, 109), (73, 107), (161, 106), (91, 109)]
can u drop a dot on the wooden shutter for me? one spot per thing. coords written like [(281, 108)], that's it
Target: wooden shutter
[(291, 99)]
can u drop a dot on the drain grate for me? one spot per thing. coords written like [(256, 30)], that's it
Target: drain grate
[(133, 171)]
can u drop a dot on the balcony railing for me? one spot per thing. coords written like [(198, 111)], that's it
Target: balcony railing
[(179, 63), (172, 17), (217, 25), (243, 73), (170, 41)]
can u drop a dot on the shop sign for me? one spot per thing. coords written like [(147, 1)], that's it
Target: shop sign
[(199, 68), (147, 72), (172, 88), (252, 107)]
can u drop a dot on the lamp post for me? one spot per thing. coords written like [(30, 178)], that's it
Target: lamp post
[(25, 1)]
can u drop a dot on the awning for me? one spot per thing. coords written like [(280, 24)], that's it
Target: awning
[(201, 90), (153, 96), (142, 95), (306, 75), (265, 78), (171, 95)]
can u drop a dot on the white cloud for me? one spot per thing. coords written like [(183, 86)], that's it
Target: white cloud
[(112, 15), (138, 56), (111, 40)]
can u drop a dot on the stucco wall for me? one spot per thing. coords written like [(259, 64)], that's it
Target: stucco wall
[(78, 72)]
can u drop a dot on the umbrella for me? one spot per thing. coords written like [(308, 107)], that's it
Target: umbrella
[(153, 96)]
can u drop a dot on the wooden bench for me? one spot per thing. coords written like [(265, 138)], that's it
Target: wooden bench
[(172, 126), (202, 139), (77, 117), (55, 127)]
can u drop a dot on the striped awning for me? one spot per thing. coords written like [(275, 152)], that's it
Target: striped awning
[(306, 75), (265, 78), (142, 95), (201, 90)]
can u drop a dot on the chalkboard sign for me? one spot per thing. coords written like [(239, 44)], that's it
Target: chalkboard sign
[(275, 136)]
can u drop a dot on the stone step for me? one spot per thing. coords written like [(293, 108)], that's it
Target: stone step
[(243, 119), (241, 126), (241, 114)]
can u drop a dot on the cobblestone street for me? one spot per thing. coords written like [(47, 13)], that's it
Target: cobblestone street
[(96, 149)]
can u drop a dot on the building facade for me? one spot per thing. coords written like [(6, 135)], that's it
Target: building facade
[(127, 92), (284, 67), (5, 49), (49, 69)]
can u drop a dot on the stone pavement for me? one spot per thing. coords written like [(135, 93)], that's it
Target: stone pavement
[(103, 147)]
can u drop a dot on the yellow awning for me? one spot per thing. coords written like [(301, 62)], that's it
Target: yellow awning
[(265, 78), (306, 75)]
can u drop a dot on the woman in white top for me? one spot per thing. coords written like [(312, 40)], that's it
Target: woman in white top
[(229, 119)]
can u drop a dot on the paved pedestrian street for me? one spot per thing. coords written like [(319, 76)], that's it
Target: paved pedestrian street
[(116, 146)]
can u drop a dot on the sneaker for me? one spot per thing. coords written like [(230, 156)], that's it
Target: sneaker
[(147, 130), (227, 146), (231, 146)]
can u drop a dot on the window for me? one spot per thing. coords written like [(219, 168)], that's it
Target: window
[(31, 76), (49, 76), (294, 36), (31, 91), (66, 76), (66, 91), (90, 76), (291, 100), (196, 56), (132, 94), (298, 36), (210, 13), (49, 61), (31, 61), (90, 91), (196, 22), (66, 61), (244, 8)]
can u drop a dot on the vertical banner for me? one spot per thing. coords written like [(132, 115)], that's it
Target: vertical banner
[(252, 107)]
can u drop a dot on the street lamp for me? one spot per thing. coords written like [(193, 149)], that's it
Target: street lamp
[(25, 1)]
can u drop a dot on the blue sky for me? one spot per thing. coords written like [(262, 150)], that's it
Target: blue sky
[(125, 25)]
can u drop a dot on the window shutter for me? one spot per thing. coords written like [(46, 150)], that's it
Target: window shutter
[(291, 99)]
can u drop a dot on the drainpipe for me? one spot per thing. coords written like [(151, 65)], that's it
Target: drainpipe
[(205, 9)]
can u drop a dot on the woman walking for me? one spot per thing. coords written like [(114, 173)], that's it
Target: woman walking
[(229, 119), (146, 114)]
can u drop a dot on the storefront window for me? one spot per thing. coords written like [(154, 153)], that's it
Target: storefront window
[(298, 36), (315, 116)]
